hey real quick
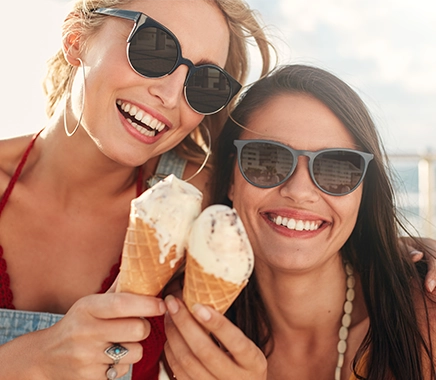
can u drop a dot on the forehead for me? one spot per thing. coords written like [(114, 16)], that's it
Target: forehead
[(199, 25), (300, 121)]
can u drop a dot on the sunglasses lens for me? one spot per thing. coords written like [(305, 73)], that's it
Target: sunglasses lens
[(152, 52), (338, 172), (208, 90), (265, 164)]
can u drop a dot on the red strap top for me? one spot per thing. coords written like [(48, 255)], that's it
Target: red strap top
[(148, 367)]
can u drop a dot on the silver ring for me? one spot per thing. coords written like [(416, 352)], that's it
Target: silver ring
[(111, 373), (116, 352)]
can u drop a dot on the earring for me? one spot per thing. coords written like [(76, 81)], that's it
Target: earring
[(208, 151), (69, 134)]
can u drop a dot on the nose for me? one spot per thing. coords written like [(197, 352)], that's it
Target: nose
[(300, 187), (169, 89)]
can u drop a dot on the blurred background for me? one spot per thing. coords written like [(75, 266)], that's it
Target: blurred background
[(384, 49)]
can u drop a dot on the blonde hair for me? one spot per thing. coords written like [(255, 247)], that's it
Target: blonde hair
[(244, 27)]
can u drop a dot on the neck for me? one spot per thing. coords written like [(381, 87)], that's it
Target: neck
[(309, 325), (301, 302), (71, 165)]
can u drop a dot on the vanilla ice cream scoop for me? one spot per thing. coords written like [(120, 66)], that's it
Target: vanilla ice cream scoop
[(219, 259), (157, 235), (170, 207)]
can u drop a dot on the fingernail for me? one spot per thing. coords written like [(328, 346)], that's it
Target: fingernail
[(162, 307), (201, 312), (416, 252), (172, 305), (431, 285)]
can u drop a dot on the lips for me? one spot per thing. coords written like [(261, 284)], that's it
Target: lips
[(142, 121)]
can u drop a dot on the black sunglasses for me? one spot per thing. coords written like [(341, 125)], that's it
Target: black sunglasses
[(267, 164), (153, 51)]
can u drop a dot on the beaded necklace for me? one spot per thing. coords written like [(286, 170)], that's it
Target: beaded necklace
[(346, 320)]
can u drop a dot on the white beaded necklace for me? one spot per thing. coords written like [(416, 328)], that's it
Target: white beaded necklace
[(346, 320)]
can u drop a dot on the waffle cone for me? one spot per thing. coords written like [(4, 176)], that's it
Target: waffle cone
[(141, 272), (207, 289)]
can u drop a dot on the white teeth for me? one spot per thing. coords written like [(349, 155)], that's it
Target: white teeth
[(139, 115), (147, 119), (144, 131), (143, 117), (297, 225), (300, 225), (133, 110), (291, 224)]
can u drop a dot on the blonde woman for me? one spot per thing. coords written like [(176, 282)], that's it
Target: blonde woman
[(130, 96)]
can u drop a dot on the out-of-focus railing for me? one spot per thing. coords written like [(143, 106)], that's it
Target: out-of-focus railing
[(417, 200)]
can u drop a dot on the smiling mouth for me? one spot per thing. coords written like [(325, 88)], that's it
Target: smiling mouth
[(295, 224), (140, 120)]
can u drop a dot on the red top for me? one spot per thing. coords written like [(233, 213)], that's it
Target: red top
[(148, 367)]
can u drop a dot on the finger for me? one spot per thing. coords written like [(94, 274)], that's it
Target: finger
[(182, 359), (415, 254), (121, 369), (130, 330), (120, 305), (242, 350), (133, 354), (176, 370), (244, 355), (430, 278), (429, 248)]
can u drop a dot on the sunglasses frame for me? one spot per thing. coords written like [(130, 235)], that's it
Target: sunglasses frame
[(240, 144), (141, 20)]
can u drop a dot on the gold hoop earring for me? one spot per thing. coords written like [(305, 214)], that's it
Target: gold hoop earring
[(69, 134), (208, 151)]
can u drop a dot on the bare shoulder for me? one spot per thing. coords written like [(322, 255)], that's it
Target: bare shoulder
[(201, 181), (11, 151)]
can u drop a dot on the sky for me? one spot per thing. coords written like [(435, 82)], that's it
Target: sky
[(385, 49)]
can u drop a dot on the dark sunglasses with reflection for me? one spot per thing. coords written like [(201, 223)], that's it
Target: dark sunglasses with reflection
[(266, 164), (153, 51)]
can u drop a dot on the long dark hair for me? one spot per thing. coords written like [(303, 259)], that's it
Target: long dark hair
[(394, 345)]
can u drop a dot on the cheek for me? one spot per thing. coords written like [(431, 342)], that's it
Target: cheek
[(245, 197), (190, 119), (236, 188), (348, 210)]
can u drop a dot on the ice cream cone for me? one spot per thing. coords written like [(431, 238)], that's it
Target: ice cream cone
[(207, 289), (141, 272), (156, 239)]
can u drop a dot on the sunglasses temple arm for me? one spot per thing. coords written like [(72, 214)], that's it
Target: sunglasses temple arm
[(121, 13)]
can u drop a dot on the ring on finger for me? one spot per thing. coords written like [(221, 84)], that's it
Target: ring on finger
[(116, 352), (111, 372)]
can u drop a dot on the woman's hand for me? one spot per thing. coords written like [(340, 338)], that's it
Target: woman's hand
[(73, 348), (426, 250), (192, 354)]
